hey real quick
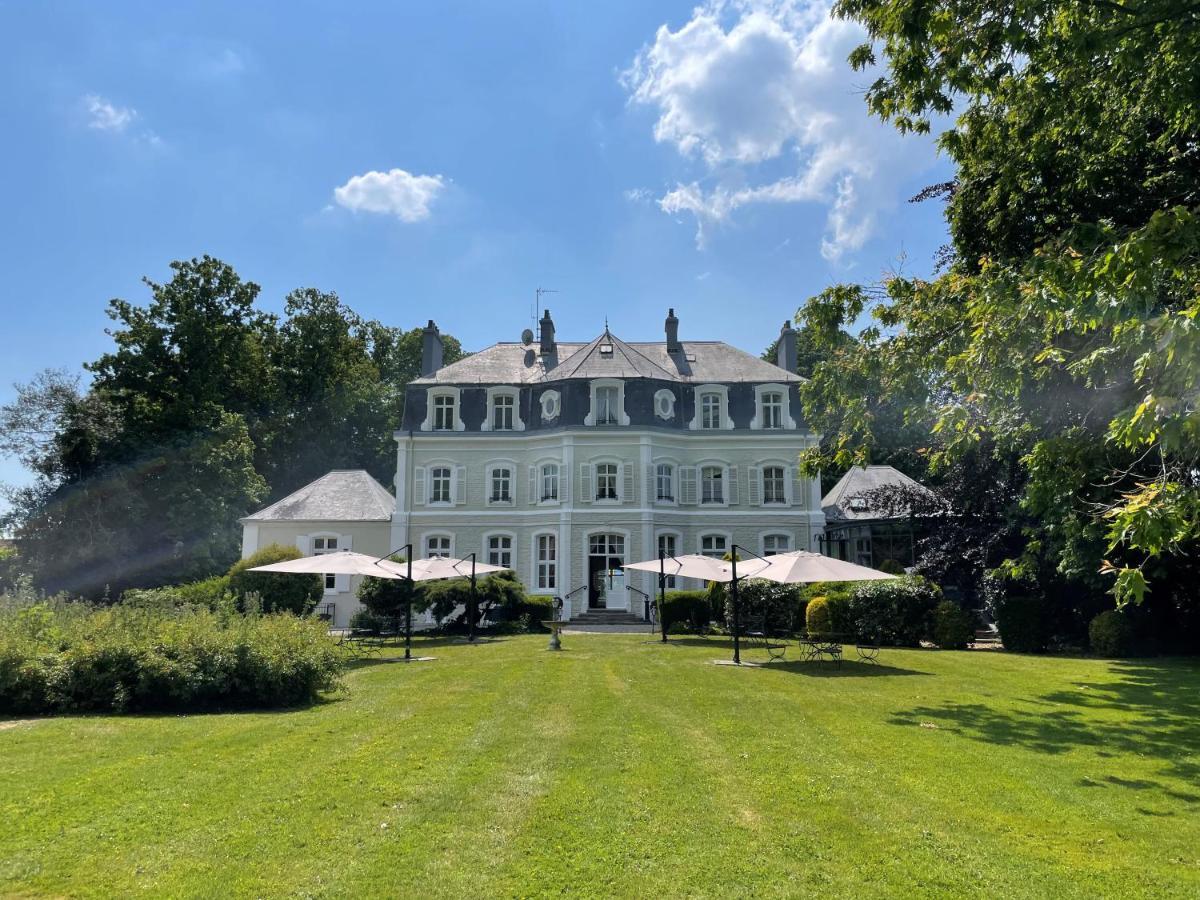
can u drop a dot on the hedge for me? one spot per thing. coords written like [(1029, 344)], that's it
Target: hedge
[(689, 610), (1110, 634), (277, 591), (58, 656)]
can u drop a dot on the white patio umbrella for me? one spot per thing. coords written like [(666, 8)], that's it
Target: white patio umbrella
[(805, 567), (341, 562), (695, 565)]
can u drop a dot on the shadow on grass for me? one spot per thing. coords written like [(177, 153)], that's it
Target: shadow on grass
[(1152, 710), (849, 668)]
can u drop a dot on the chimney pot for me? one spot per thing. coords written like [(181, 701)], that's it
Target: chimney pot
[(672, 328), (546, 344), (785, 352), (431, 349)]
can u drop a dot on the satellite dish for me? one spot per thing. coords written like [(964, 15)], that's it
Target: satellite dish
[(527, 336)]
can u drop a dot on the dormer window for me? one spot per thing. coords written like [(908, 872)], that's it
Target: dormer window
[(858, 504), (503, 410), (710, 410), (606, 349), (606, 406), (443, 413), (608, 403), (772, 410)]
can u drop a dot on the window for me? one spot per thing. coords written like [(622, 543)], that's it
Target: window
[(443, 412), (667, 546), (772, 410), (437, 545), (606, 481), (858, 504), (547, 562), (439, 484), (714, 545), (501, 485), (550, 481), (607, 399), (712, 480), (664, 482), (776, 543), (502, 412), (664, 404), (550, 404), (773, 485), (499, 550), (710, 410), (321, 546)]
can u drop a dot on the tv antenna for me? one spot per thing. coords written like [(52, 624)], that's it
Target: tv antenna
[(537, 303)]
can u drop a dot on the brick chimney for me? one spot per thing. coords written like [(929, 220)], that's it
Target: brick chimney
[(785, 352), (672, 325), (546, 345), (431, 349)]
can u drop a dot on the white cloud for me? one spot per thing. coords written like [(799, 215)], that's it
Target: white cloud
[(398, 193), (747, 85), (639, 195), (105, 116)]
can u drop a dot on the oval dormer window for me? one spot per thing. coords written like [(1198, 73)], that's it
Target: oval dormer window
[(664, 405), (550, 405)]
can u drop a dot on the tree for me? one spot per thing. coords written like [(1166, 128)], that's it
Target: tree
[(1063, 335)]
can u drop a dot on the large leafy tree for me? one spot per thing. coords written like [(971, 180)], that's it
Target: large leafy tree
[(1064, 334)]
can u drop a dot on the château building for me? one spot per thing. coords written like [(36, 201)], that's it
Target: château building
[(565, 460)]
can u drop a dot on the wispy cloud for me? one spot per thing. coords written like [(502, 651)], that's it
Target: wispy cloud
[(396, 192), (750, 82), (107, 116)]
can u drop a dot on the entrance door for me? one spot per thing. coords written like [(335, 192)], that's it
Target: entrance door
[(606, 578)]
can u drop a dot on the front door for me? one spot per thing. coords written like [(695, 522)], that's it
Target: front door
[(606, 578)]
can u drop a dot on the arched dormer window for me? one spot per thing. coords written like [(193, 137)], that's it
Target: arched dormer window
[(443, 410), (712, 408), (503, 410), (772, 408), (608, 403)]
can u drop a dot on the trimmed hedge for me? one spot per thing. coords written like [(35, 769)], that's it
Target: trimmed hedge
[(686, 611), (1022, 623), (1110, 634), (953, 627), (896, 612), (276, 591), (57, 656)]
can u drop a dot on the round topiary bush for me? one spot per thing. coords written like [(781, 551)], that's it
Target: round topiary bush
[(278, 591), (953, 627), (1022, 623), (818, 616), (1110, 634)]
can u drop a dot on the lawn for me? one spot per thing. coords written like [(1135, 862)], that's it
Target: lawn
[(624, 767)]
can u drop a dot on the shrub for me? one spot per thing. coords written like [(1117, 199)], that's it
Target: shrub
[(891, 567), (1022, 622), (896, 612), (1110, 634), (277, 591), (818, 616), (64, 657), (686, 611), (365, 620), (953, 627), (211, 593), (775, 604)]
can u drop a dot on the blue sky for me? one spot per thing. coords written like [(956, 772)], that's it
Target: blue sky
[(443, 160)]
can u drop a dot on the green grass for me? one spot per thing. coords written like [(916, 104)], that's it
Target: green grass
[(628, 768)]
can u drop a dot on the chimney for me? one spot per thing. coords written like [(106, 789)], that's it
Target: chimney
[(431, 349), (785, 352), (546, 335), (673, 345)]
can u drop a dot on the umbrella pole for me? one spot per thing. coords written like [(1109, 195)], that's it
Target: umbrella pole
[(662, 592), (473, 612), (408, 613), (733, 594)]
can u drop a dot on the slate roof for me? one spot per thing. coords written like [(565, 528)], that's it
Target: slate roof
[(700, 362), (858, 481), (343, 495)]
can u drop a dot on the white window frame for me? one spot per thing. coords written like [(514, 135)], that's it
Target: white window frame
[(616, 476), (431, 395), (665, 398), (785, 478), (541, 481), (725, 486), (758, 423), (488, 489), (762, 541), (622, 417), (551, 403), (429, 482), (329, 580), (430, 535), (495, 393), (724, 423), (673, 500), (535, 562), (724, 535), (512, 547), (677, 537)]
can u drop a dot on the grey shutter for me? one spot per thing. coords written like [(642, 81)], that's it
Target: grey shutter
[(534, 492), (799, 488), (734, 492), (586, 493), (419, 486), (687, 485), (303, 543), (754, 486), (564, 484), (629, 483), (460, 485), (651, 488)]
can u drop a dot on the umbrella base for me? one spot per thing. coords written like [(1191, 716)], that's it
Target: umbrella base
[(741, 665), (401, 659)]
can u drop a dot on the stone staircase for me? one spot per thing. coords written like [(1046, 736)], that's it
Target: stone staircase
[(609, 617)]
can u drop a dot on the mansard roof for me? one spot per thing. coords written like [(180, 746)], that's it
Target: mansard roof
[(838, 505), (698, 363), (345, 495)]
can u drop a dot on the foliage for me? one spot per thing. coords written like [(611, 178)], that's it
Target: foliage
[(203, 408), (1111, 634), (818, 616), (895, 612), (1023, 623), (57, 656), (366, 620), (686, 610), (775, 604), (891, 567), (953, 627), (390, 598), (10, 567), (1060, 348), (278, 591)]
